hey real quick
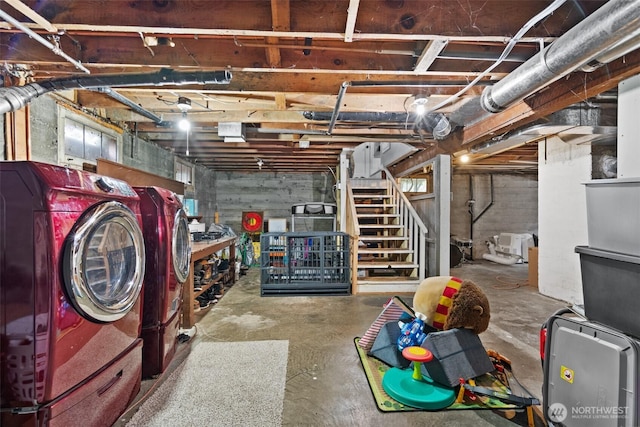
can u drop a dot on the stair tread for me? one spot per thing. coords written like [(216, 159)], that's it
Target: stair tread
[(379, 238), (375, 205), (386, 264), (380, 226), (379, 279), (384, 251), (377, 215)]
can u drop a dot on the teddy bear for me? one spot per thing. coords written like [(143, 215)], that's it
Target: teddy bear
[(449, 302)]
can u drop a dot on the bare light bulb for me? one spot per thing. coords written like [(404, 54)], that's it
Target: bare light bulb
[(420, 105), (465, 158), (184, 123)]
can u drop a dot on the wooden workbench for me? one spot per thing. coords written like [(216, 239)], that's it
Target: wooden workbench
[(202, 250)]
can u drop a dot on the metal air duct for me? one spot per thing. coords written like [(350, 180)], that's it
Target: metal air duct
[(604, 31), (15, 97), (436, 123)]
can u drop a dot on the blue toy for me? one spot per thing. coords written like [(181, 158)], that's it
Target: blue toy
[(412, 333)]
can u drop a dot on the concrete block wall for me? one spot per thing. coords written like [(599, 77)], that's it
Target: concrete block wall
[(44, 129), (272, 193), (514, 208), (143, 155)]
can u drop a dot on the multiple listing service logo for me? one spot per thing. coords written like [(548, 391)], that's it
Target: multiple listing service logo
[(558, 412)]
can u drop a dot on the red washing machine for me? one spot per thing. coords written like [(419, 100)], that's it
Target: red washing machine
[(72, 262), (168, 248)]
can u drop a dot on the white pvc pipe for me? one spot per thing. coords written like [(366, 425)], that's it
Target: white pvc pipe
[(500, 259)]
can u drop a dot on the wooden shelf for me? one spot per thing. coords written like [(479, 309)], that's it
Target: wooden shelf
[(202, 250)]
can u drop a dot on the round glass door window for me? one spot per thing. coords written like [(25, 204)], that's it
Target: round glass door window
[(181, 246), (104, 262)]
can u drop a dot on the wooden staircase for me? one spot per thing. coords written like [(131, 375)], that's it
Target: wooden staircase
[(389, 238)]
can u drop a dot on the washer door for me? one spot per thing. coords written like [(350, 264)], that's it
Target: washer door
[(104, 262), (181, 246)]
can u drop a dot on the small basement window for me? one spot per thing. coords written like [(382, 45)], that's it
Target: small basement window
[(184, 173), (413, 185), (82, 141)]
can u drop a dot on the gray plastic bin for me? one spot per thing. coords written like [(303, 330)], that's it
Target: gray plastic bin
[(611, 288), (613, 215), (590, 375)]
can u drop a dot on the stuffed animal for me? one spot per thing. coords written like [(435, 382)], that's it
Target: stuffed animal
[(448, 302)]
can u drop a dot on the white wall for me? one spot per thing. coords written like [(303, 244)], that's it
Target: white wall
[(562, 217), (366, 164), (628, 126)]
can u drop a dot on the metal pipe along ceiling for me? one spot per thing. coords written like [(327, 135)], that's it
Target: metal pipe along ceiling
[(436, 123), (614, 24), (15, 97), (129, 103)]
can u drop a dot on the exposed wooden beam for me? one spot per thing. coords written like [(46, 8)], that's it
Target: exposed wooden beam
[(281, 101), (32, 14), (18, 134), (429, 55), (352, 15), (150, 30), (280, 21)]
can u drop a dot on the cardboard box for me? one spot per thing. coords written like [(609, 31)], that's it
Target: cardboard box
[(533, 266)]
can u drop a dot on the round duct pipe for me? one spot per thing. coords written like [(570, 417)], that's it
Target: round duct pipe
[(614, 24), (15, 97)]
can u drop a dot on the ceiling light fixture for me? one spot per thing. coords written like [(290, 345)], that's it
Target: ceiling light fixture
[(420, 105), (260, 164), (465, 158), (184, 105)]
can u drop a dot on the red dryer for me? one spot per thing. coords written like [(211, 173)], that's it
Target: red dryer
[(168, 251), (72, 269)]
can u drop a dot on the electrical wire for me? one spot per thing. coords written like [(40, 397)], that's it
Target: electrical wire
[(509, 283), (512, 42)]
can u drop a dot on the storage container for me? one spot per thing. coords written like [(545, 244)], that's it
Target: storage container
[(312, 263), (590, 375), (613, 215), (314, 209), (611, 288)]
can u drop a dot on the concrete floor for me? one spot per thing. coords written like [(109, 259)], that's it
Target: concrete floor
[(326, 385)]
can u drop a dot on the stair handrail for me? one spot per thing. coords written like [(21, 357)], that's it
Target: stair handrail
[(353, 230), (419, 240), (405, 200)]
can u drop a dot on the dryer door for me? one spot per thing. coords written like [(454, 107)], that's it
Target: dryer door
[(181, 246), (104, 262)]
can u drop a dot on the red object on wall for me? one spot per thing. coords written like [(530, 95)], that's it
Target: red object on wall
[(252, 222)]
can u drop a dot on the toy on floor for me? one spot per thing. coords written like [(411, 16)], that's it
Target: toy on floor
[(449, 302), (412, 333), (409, 387)]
